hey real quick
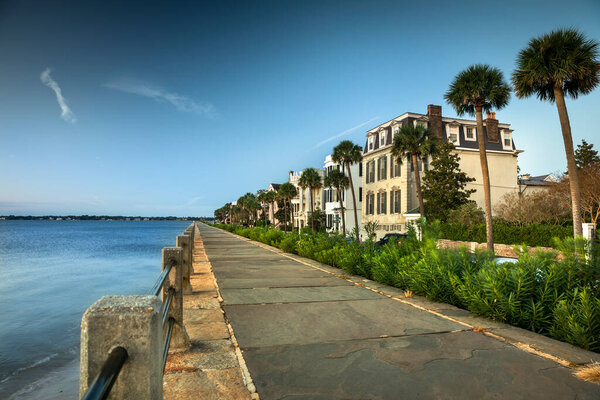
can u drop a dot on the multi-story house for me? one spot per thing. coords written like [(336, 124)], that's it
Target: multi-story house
[(273, 208), (301, 203), (389, 188), (332, 203)]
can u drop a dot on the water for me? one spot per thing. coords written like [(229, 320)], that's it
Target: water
[(50, 273)]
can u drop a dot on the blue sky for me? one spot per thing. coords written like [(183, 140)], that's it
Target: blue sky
[(174, 108)]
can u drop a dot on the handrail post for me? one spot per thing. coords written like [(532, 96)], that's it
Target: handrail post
[(180, 339), (131, 322), (184, 241)]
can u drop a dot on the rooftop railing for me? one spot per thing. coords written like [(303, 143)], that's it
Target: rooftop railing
[(125, 340)]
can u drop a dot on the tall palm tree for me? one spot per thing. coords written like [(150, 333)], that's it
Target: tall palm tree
[(270, 199), (338, 180), (561, 62), (311, 179), (414, 143), (476, 89), (347, 153), (287, 192), (261, 197)]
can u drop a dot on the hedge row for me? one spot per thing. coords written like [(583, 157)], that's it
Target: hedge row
[(530, 235), (559, 299)]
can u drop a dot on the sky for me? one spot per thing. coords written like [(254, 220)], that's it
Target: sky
[(175, 108)]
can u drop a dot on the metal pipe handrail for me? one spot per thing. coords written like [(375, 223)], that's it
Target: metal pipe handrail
[(161, 279), (100, 387), (167, 342), (167, 305)]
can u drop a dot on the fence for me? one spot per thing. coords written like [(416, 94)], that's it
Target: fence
[(125, 340)]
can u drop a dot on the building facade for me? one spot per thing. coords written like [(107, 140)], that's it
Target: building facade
[(332, 204), (301, 203), (273, 208), (389, 188)]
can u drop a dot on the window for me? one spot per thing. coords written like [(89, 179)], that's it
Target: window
[(397, 168), (372, 171), (371, 143), (378, 203), (453, 134), (425, 163), (383, 200), (368, 173), (382, 139), (470, 133), (360, 168), (329, 220), (382, 168), (397, 201), (420, 123), (412, 166), (360, 194), (506, 140), (371, 203)]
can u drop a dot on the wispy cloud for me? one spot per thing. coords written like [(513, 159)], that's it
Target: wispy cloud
[(66, 112), (347, 131), (182, 103)]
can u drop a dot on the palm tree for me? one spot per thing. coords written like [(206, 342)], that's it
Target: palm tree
[(270, 199), (561, 62), (261, 197), (311, 179), (347, 153), (476, 89), (414, 143), (338, 180), (287, 192)]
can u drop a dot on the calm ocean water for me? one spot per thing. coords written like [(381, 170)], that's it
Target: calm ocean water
[(50, 272)]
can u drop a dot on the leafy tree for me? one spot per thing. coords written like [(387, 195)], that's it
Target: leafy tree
[(543, 207), (414, 142), (270, 199), (347, 153), (585, 155), (287, 192), (468, 214), (561, 62), (261, 197), (474, 90), (444, 184), (311, 179), (338, 180)]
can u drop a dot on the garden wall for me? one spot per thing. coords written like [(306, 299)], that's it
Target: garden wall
[(501, 250)]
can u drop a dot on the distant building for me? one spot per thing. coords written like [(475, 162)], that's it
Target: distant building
[(530, 184), (301, 203), (332, 203), (273, 208), (389, 189)]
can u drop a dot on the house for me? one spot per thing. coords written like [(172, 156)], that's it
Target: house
[(530, 184), (332, 203), (273, 208), (301, 203), (389, 189)]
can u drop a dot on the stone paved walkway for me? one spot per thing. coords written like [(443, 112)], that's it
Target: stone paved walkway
[(307, 334)]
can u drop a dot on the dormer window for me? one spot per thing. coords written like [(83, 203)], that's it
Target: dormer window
[(370, 143), (470, 133), (382, 139), (452, 132), (507, 140), (420, 123)]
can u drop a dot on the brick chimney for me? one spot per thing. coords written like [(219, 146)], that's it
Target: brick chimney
[(491, 125), (434, 113)]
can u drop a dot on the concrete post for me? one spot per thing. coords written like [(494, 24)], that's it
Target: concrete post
[(180, 339), (184, 242), (132, 322), (190, 251)]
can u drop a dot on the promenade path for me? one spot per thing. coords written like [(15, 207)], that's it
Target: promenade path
[(307, 334)]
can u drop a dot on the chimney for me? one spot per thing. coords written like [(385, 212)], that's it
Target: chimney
[(290, 176), (525, 177), (491, 125), (434, 113)]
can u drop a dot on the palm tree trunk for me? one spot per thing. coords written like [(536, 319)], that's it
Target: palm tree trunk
[(485, 173), (565, 126), (342, 212), (291, 213), (415, 161), (353, 201), (285, 218), (312, 209)]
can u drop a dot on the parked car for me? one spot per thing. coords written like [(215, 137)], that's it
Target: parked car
[(398, 238)]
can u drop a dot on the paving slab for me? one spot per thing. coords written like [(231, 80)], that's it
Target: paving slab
[(250, 283), (296, 295), (462, 365), (302, 323)]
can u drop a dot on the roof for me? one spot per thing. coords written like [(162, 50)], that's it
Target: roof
[(539, 180), (275, 186)]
